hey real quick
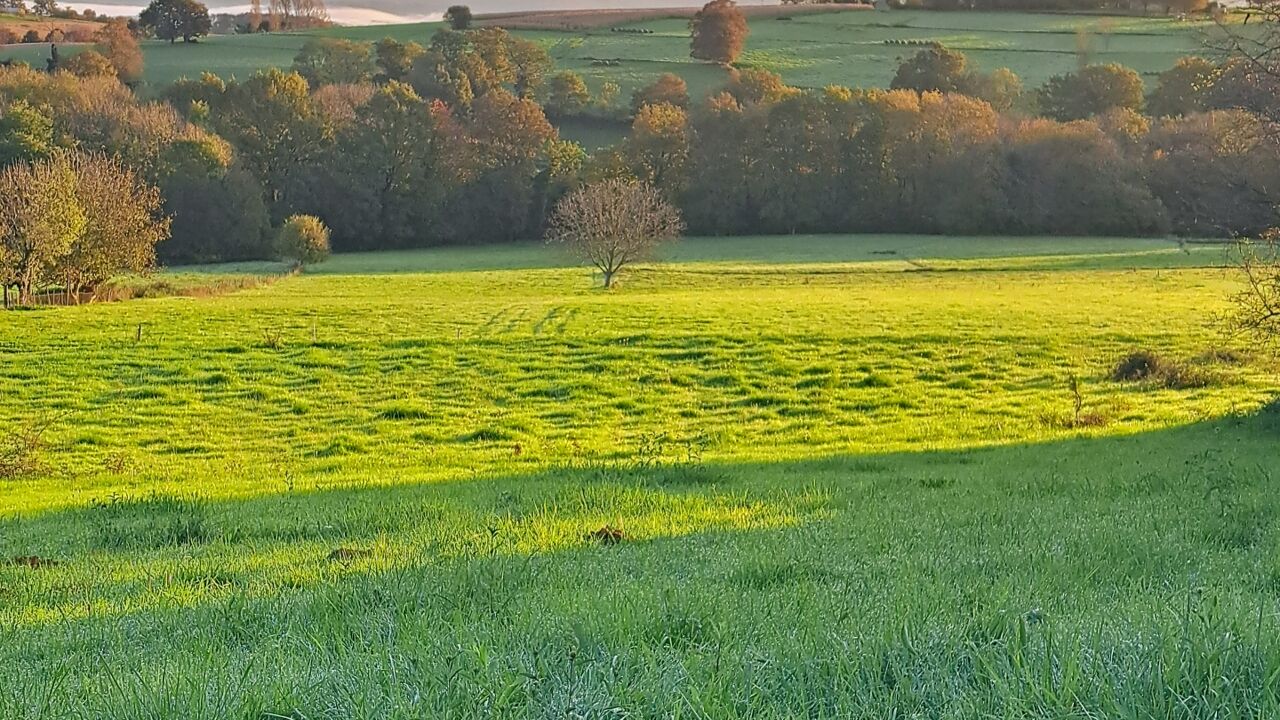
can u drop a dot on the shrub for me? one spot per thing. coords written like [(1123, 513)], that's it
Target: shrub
[(304, 239), (1137, 366), (88, 64), (1147, 366), (20, 448)]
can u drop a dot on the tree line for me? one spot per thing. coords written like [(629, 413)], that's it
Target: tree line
[(396, 145)]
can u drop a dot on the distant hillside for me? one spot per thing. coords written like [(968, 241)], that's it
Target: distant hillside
[(16, 26)]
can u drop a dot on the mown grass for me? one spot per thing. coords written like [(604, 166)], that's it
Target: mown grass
[(776, 477)]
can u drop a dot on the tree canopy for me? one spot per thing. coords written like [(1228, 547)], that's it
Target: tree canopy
[(177, 19)]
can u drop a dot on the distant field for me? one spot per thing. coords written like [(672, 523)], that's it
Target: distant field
[(809, 50), (20, 24), (783, 477)]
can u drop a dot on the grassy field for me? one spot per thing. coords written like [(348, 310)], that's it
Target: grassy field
[(809, 50), (771, 478)]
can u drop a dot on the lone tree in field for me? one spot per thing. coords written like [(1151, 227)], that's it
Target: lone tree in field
[(173, 19), (719, 32), (458, 17), (304, 239), (614, 223)]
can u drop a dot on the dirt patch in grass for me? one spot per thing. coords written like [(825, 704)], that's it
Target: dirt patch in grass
[(35, 562), (607, 535), (347, 555)]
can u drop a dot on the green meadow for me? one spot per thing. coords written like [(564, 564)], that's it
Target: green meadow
[(827, 477), (854, 48)]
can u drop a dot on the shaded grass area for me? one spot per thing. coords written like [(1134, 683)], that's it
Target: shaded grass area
[(772, 477), (1120, 577)]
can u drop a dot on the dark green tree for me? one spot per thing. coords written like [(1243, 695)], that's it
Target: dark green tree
[(174, 19)]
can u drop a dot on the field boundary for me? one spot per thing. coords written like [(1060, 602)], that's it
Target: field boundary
[(592, 19)]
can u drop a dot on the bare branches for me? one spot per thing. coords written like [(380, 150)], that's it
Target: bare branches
[(614, 223), (1249, 76), (1257, 306)]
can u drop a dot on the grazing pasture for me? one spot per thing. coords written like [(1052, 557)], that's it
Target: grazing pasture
[(772, 477), (855, 47)]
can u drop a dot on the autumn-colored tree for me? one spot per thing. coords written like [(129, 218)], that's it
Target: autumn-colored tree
[(1002, 88), (1091, 91), (757, 86), (530, 64), (657, 150), (567, 94), (716, 200), (89, 64), (395, 58), (719, 32), (117, 43), (324, 61), (339, 105), (1217, 173), (934, 69), (1094, 187), (40, 219), (1185, 88), (669, 88), (938, 69), (612, 224), (297, 14), (506, 143), (123, 224)]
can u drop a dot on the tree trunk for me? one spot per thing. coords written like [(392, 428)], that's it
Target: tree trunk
[(608, 279)]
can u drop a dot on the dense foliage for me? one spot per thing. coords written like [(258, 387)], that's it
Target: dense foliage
[(73, 221), (719, 32), (398, 144)]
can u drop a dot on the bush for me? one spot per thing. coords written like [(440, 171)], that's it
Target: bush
[(1147, 366), (20, 448), (304, 239), (1137, 366)]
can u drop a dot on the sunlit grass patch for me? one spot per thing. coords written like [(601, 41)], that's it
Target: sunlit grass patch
[(747, 478)]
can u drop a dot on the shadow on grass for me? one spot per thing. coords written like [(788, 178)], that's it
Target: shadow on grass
[(1117, 577), (1204, 474)]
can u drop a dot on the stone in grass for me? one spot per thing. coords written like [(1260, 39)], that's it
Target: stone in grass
[(346, 555)]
